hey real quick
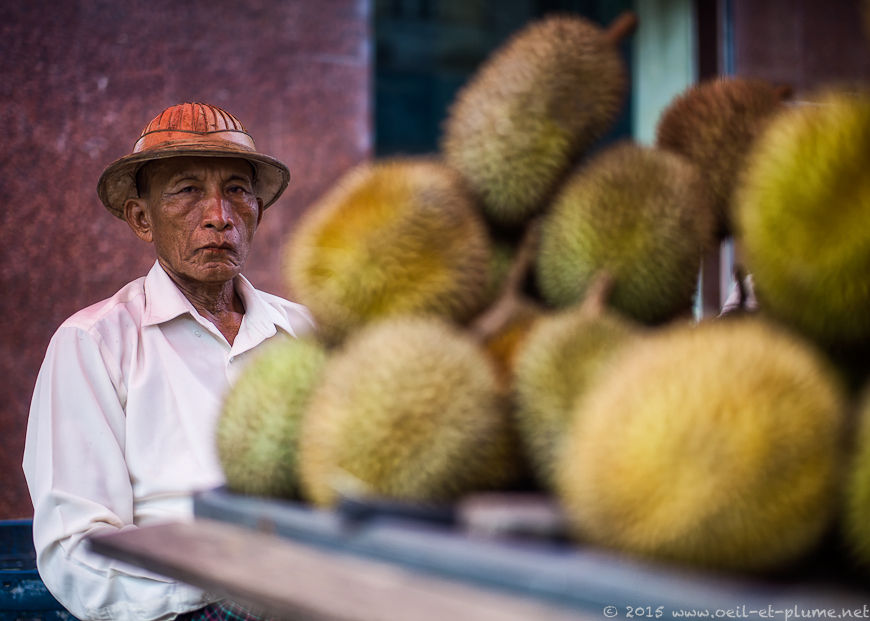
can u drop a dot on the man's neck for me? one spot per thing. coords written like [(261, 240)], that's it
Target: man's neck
[(217, 302)]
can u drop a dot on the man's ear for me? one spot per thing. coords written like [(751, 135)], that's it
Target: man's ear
[(136, 215)]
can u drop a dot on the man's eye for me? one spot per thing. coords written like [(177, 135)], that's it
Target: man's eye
[(187, 189), (237, 189)]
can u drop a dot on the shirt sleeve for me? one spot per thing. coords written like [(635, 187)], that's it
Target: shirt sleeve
[(79, 484)]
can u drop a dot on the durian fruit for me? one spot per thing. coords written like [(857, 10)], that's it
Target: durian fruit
[(715, 445), (803, 216), (856, 516), (261, 417), (532, 108), (642, 215), (714, 124), (393, 237), (562, 358), (409, 408)]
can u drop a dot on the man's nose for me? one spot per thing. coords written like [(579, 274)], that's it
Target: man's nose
[(217, 212)]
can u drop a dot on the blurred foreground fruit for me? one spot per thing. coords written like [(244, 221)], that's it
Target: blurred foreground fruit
[(532, 109), (410, 409), (857, 513), (640, 214), (715, 445), (804, 217), (562, 358), (394, 237), (259, 425), (713, 124)]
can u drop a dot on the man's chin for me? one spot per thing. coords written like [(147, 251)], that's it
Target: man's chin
[(216, 272)]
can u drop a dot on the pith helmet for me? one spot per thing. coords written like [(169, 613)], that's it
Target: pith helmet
[(191, 129)]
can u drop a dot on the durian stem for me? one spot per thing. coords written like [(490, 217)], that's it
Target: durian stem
[(621, 27), (741, 287), (784, 91), (597, 294), (511, 299)]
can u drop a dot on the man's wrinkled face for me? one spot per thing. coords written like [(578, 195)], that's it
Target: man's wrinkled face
[(202, 215)]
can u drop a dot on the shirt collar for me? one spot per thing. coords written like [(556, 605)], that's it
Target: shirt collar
[(260, 316), (165, 301)]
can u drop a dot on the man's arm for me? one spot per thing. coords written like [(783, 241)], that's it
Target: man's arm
[(79, 483)]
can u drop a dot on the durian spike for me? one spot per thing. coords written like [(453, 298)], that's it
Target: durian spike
[(511, 297), (623, 26)]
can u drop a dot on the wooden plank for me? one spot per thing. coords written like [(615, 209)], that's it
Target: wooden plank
[(297, 582), (580, 578)]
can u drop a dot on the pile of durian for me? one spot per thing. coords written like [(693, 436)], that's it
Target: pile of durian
[(517, 308)]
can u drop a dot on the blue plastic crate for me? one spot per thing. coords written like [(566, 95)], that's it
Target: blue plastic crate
[(23, 596)]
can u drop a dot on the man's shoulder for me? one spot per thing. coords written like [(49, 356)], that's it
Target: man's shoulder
[(126, 307)]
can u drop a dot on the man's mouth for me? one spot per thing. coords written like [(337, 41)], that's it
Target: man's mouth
[(224, 247)]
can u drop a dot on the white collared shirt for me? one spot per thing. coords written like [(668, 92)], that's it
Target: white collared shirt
[(121, 433)]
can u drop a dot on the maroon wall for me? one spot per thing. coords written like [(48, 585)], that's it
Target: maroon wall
[(804, 43), (80, 80)]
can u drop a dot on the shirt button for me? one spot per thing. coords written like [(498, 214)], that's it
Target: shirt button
[(197, 333)]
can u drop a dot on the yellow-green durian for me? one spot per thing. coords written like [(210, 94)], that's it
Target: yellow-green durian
[(857, 512), (535, 105), (639, 213), (409, 408), (715, 445), (804, 216), (560, 359), (714, 124), (261, 417), (393, 237)]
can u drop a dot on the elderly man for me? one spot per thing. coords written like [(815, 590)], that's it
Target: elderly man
[(121, 428)]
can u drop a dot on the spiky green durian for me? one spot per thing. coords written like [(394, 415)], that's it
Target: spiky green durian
[(716, 445), (560, 359), (534, 106), (409, 408), (641, 214), (260, 420), (857, 512), (804, 214), (714, 124), (393, 237)]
